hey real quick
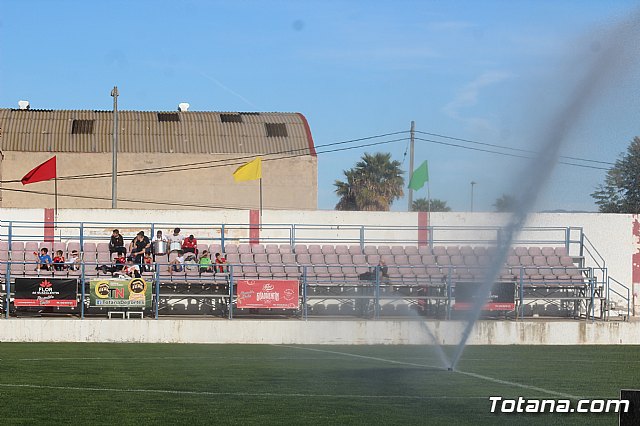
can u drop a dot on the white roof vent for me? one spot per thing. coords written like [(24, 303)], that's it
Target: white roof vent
[(183, 106), (23, 104)]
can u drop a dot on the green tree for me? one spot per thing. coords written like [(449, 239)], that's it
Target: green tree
[(620, 192), (422, 205), (506, 203), (372, 185)]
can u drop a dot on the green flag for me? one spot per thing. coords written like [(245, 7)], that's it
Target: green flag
[(420, 176)]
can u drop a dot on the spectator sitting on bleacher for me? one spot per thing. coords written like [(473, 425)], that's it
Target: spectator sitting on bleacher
[(190, 245), (139, 246), (147, 265), (176, 265), (43, 259), (116, 245), (175, 239), (58, 261), (205, 262), (73, 263), (220, 261)]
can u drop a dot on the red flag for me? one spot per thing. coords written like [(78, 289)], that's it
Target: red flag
[(44, 171)]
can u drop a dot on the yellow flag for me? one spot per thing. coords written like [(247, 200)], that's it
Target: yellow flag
[(250, 171)]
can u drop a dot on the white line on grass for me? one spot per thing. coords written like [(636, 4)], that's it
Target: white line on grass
[(170, 357), (256, 394), (466, 373)]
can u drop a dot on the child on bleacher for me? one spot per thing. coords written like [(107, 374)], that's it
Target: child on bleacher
[(73, 263), (147, 264), (205, 262), (44, 260), (58, 261), (220, 261)]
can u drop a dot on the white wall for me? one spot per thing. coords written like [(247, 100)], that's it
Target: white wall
[(317, 332)]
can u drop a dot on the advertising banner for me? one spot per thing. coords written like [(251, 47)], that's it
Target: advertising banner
[(268, 294), (117, 292), (502, 296), (46, 292)]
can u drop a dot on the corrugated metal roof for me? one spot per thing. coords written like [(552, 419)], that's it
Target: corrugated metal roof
[(141, 132)]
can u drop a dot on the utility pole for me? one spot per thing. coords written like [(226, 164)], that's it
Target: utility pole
[(472, 185), (413, 132), (114, 150)]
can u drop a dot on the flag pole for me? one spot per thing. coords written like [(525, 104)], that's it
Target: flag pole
[(428, 203), (260, 200), (55, 186)]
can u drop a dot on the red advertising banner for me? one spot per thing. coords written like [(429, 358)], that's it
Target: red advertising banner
[(282, 294)]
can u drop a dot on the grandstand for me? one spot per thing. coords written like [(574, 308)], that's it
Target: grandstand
[(552, 271)]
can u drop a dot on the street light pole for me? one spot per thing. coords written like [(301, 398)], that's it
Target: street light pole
[(472, 185), (114, 149)]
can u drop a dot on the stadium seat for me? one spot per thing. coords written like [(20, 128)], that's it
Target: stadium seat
[(384, 250), (341, 249), (548, 251), (17, 246), (285, 248), (244, 249), (425, 250), (467, 251), (409, 250), (314, 249), (355, 250), (328, 249), (300, 249), (397, 250), (258, 249), (521, 251), (439, 251), (370, 250), (535, 251), (271, 249), (453, 251), (480, 251)]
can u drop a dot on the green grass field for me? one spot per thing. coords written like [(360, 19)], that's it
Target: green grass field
[(257, 384)]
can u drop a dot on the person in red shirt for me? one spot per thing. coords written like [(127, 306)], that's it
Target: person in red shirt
[(58, 261), (220, 261), (190, 245)]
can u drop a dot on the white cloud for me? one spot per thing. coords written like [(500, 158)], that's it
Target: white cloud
[(468, 97)]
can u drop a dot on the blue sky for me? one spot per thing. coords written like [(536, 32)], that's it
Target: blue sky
[(487, 71)]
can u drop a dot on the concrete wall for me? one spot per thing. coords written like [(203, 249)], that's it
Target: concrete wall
[(317, 332), (287, 183)]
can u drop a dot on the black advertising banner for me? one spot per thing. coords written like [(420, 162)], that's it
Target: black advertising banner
[(502, 296), (46, 292)]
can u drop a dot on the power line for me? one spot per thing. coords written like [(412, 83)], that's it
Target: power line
[(506, 154), (236, 161), (510, 148)]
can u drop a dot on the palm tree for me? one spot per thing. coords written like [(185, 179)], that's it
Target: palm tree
[(422, 205), (372, 185)]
